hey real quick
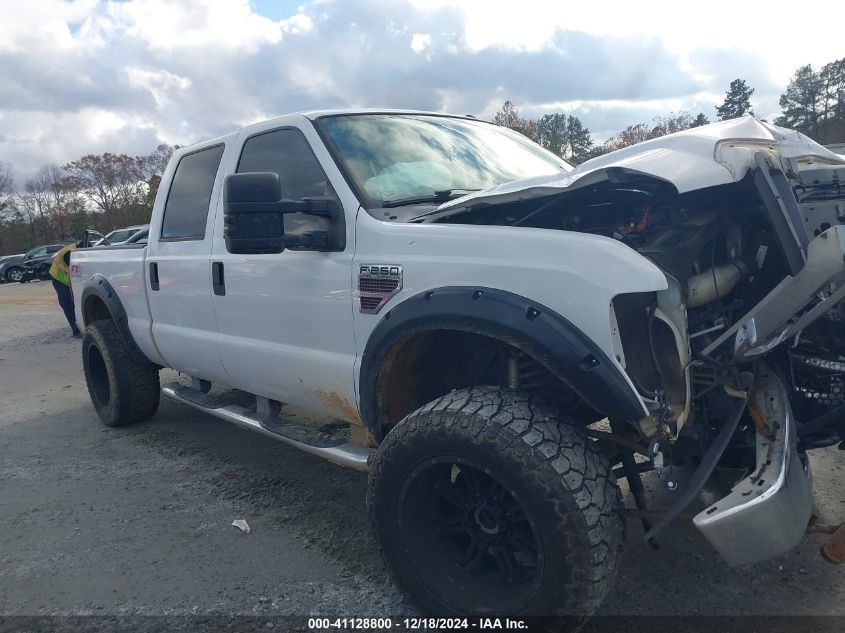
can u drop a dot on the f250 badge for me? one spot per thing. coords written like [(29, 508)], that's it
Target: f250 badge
[(377, 284)]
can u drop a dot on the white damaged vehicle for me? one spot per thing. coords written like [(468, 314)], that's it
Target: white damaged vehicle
[(496, 337)]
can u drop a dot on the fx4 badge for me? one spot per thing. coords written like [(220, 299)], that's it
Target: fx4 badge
[(377, 283)]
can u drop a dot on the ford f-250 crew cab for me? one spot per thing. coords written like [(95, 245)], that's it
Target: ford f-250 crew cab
[(497, 337)]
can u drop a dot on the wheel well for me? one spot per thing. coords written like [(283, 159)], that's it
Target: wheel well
[(426, 365), (95, 309)]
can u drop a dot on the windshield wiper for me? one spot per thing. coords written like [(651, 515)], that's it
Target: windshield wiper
[(437, 196)]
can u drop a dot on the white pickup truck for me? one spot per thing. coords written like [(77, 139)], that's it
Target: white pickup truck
[(497, 337)]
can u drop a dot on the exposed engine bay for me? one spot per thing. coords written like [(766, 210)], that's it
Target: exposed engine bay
[(740, 360), (724, 250)]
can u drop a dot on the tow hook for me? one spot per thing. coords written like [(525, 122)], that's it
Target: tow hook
[(833, 549)]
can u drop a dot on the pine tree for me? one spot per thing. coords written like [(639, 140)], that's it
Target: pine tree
[(737, 101), (700, 120), (578, 141), (802, 102), (551, 130)]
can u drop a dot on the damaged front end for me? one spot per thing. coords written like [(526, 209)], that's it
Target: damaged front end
[(767, 512), (741, 360)]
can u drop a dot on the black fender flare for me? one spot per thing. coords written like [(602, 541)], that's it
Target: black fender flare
[(538, 331), (98, 286)]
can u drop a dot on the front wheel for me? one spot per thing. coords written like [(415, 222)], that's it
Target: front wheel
[(122, 389), (488, 502)]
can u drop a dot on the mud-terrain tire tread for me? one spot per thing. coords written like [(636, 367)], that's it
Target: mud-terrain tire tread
[(135, 387), (553, 451)]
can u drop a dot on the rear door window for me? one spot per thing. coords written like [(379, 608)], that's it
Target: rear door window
[(186, 210)]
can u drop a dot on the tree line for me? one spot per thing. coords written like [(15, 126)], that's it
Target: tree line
[(109, 191), (814, 104), (101, 191)]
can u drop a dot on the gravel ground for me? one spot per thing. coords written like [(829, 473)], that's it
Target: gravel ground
[(138, 520)]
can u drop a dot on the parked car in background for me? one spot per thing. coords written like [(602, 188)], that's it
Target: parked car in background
[(122, 236), (140, 237), (36, 263), (9, 263)]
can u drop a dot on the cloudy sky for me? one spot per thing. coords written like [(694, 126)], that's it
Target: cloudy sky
[(90, 76)]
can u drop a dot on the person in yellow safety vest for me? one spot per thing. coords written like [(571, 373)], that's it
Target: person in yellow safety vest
[(60, 272)]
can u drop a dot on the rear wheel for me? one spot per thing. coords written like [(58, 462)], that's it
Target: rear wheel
[(488, 502), (122, 389), (14, 274)]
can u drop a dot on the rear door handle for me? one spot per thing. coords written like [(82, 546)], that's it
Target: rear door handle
[(153, 275), (218, 283)]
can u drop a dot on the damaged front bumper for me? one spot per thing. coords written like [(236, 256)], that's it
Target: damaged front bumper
[(767, 512)]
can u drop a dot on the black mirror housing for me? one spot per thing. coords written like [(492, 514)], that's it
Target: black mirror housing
[(253, 213)]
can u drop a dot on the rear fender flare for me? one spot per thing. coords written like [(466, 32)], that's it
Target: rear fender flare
[(99, 287)]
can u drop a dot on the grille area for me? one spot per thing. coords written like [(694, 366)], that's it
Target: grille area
[(371, 304), (380, 286)]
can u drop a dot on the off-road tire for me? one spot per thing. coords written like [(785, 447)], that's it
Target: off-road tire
[(122, 389), (545, 460)]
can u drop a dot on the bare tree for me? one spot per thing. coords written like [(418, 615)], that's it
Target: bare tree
[(112, 182), (508, 116), (664, 125), (154, 163), (152, 168), (631, 135), (49, 200), (7, 186)]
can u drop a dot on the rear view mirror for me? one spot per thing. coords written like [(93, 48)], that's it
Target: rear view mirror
[(253, 213)]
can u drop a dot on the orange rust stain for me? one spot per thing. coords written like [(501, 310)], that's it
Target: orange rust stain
[(334, 400), (758, 418), (834, 548)]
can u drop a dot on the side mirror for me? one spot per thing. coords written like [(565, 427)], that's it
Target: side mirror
[(253, 213)]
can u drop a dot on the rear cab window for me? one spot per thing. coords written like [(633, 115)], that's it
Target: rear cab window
[(186, 209)]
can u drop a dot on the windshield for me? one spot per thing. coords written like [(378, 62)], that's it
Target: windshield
[(396, 158)]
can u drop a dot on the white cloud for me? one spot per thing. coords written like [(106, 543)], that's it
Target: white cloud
[(165, 25), (420, 42), (98, 75), (683, 28), (164, 86)]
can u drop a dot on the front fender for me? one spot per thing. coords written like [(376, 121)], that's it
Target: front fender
[(530, 326), (573, 275)]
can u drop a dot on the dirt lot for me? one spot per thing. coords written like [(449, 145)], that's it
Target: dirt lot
[(138, 520)]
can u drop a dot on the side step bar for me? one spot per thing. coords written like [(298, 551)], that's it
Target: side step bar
[(346, 454)]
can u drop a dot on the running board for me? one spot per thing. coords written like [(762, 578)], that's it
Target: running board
[(344, 454)]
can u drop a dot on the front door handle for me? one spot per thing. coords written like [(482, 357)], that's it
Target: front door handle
[(217, 281), (153, 275)]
